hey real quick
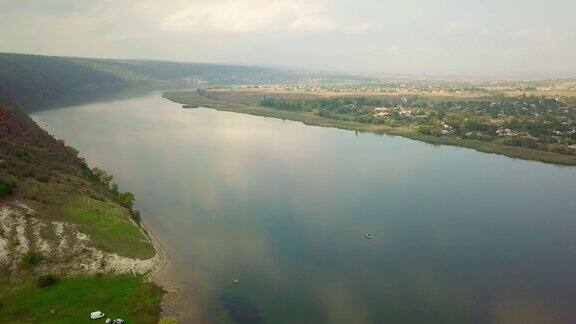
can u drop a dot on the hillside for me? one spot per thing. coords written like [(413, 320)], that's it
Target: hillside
[(30, 78), (58, 217), (26, 79)]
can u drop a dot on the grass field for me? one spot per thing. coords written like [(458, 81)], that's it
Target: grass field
[(72, 299), (109, 227), (191, 99)]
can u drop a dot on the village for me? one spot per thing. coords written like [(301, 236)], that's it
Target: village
[(536, 122)]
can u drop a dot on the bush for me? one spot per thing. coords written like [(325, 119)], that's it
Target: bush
[(126, 199), (521, 141), (46, 281), (136, 216), (31, 258), (429, 130), (6, 188)]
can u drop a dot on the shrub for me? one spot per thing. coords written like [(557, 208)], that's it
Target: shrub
[(6, 188), (31, 258), (136, 216), (46, 281), (126, 199), (429, 130)]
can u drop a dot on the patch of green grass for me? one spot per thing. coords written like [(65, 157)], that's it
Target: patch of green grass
[(30, 259), (168, 320), (109, 227), (70, 300)]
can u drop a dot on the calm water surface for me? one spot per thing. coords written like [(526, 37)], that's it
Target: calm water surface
[(459, 236)]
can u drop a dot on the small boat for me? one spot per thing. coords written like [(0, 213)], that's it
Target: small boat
[(235, 280), (368, 236)]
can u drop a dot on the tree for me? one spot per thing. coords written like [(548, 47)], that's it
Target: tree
[(104, 177), (114, 188), (126, 199)]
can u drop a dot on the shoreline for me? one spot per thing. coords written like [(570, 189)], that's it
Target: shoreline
[(170, 288), (161, 252), (191, 99), (153, 275)]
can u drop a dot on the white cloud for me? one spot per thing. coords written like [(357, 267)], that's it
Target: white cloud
[(312, 23), (243, 16), (453, 28), (361, 28)]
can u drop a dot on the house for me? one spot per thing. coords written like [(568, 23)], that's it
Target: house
[(382, 114), (505, 132)]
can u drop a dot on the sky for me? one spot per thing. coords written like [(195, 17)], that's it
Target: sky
[(417, 37)]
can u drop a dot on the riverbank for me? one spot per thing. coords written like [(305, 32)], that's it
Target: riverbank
[(156, 275), (191, 99), (69, 243)]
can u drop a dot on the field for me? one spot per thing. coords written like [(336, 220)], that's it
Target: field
[(70, 300), (234, 100)]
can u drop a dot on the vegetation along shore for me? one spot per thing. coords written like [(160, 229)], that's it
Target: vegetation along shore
[(525, 127)]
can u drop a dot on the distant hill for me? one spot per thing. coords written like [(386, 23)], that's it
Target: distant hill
[(25, 78), (31, 78)]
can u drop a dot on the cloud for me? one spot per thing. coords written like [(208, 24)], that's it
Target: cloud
[(244, 16), (361, 28), (312, 23)]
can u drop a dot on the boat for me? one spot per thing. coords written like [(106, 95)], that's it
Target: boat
[(235, 280), (368, 236)]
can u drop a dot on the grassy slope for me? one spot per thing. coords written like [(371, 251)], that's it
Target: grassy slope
[(109, 227), (72, 299), (193, 99), (49, 178)]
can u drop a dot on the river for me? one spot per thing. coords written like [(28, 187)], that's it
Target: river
[(458, 236)]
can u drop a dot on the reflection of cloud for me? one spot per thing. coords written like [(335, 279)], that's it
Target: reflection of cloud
[(339, 302), (526, 309)]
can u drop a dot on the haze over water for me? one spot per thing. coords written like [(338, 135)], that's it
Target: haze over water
[(459, 236)]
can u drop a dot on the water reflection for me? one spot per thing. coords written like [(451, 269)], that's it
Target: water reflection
[(459, 236)]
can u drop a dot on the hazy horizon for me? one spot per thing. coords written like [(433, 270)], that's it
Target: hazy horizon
[(489, 38)]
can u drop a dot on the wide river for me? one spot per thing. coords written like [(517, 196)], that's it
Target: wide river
[(458, 236)]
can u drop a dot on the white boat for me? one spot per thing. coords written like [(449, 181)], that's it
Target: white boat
[(368, 236)]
